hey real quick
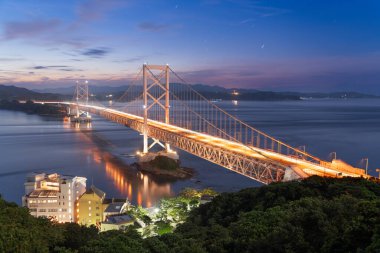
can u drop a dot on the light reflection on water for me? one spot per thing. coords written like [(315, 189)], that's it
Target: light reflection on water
[(138, 187)]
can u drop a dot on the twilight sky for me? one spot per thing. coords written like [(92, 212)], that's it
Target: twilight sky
[(301, 45)]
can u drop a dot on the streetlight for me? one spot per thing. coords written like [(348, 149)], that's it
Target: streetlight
[(366, 165), (333, 155), (302, 148), (378, 170)]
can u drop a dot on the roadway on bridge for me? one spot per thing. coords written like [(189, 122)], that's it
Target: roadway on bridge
[(301, 167)]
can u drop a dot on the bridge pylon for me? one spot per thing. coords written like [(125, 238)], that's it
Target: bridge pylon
[(81, 95), (155, 93)]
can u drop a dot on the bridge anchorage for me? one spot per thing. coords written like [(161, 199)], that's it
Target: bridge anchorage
[(75, 114), (170, 113)]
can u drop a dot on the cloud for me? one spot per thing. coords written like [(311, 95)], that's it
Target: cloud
[(28, 29), (70, 69), (132, 59), (97, 9), (57, 67), (152, 27), (42, 31), (49, 67), (11, 59), (96, 52), (259, 8), (360, 73)]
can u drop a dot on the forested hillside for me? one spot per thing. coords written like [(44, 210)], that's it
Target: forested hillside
[(313, 215)]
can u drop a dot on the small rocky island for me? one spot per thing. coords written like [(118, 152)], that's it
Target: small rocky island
[(163, 164)]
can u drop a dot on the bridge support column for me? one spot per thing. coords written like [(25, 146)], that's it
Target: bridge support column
[(167, 104), (150, 99), (81, 96), (145, 95)]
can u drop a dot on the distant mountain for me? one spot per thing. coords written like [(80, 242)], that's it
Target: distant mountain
[(342, 95), (208, 91), (93, 89), (17, 93)]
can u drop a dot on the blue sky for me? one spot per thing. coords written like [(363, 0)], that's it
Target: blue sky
[(303, 45)]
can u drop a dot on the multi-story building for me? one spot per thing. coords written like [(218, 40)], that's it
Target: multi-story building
[(53, 195), (90, 207)]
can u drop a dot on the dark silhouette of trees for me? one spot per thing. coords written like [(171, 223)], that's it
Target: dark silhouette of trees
[(312, 215)]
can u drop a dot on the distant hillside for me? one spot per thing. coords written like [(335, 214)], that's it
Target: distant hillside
[(210, 92), (93, 89), (17, 93), (342, 95), (217, 92)]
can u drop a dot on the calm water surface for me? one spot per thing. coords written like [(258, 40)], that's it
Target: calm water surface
[(102, 151)]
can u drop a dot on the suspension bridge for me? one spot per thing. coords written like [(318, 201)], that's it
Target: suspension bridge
[(167, 111)]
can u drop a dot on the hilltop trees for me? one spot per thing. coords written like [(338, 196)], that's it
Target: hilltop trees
[(313, 215)]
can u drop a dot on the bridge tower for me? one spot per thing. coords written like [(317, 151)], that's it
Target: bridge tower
[(155, 93), (81, 95)]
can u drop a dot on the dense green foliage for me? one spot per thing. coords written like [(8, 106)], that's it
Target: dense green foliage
[(313, 215), (165, 163), (32, 108)]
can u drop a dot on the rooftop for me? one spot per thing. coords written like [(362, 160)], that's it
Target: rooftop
[(43, 194), (94, 190), (113, 200), (53, 177), (115, 207), (119, 219)]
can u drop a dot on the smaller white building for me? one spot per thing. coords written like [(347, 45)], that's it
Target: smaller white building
[(53, 195)]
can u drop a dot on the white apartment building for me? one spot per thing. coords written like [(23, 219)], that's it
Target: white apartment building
[(53, 195)]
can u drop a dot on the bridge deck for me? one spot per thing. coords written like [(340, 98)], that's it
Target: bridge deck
[(259, 164), (302, 167)]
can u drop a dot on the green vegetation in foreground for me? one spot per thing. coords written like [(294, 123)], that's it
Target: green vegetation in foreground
[(313, 215), (32, 108)]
